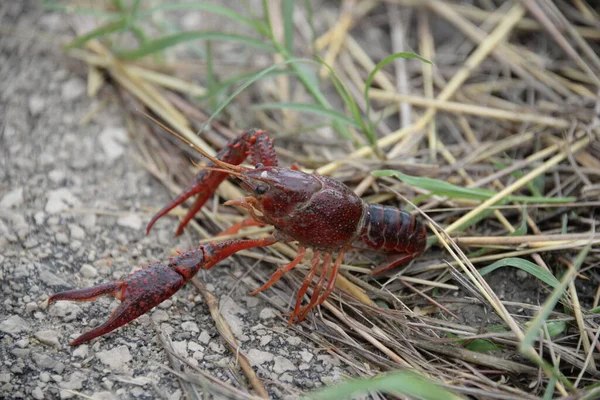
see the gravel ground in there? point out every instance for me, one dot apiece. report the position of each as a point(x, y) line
point(71, 201)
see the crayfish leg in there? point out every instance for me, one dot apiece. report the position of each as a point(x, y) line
point(314, 299)
point(304, 288)
point(333, 277)
point(284, 269)
point(235, 228)
point(401, 259)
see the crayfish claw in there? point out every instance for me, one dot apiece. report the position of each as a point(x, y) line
point(90, 294)
point(139, 292)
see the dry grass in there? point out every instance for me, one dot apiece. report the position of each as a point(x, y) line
point(510, 105)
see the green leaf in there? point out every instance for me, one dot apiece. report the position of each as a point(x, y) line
point(224, 11)
point(66, 8)
point(482, 345)
point(306, 107)
point(555, 328)
point(99, 32)
point(522, 229)
point(250, 81)
point(443, 188)
point(524, 265)
point(403, 382)
point(348, 100)
point(288, 25)
point(595, 310)
point(165, 42)
point(542, 315)
point(372, 74)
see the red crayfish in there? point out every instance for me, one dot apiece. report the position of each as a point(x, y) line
point(316, 211)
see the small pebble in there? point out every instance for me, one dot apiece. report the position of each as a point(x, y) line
point(81, 351)
point(204, 337)
point(116, 358)
point(282, 364)
point(258, 357)
point(190, 326)
point(14, 324)
point(76, 232)
point(62, 238)
point(12, 199)
point(265, 340)
point(48, 337)
point(88, 271)
point(267, 313)
point(73, 88)
point(132, 221)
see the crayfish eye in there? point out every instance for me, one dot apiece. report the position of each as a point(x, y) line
point(260, 189)
point(259, 165)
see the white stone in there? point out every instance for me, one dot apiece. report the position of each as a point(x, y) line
point(160, 316)
point(132, 221)
point(180, 347)
point(258, 357)
point(81, 351)
point(88, 271)
point(76, 232)
point(193, 347)
point(37, 393)
point(267, 313)
point(14, 324)
point(60, 200)
point(204, 337)
point(49, 337)
point(116, 358)
point(57, 175)
point(190, 326)
point(216, 347)
point(265, 340)
point(294, 340)
point(12, 199)
point(282, 364)
point(73, 88)
point(306, 355)
point(112, 140)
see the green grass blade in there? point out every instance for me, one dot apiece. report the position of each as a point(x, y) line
point(403, 382)
point(536, 324)
point(443, 188)
point(224, 11)
point(288, 25)
point(99, 32)
point(378, 67)
point(555, 328)
point(66, 8)
point(522, 229)
point(249, 82)
point(348, 100)
point(523, 265)
point(309, 108)
point(482, 346)
point(165, 42)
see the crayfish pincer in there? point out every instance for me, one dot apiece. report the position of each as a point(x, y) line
point(316, 211)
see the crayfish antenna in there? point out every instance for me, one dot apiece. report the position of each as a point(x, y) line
point(223, 164)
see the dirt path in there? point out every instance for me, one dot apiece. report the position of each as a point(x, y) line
point(71, 215)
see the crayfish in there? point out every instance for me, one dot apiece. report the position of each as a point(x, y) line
point(316, 211)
